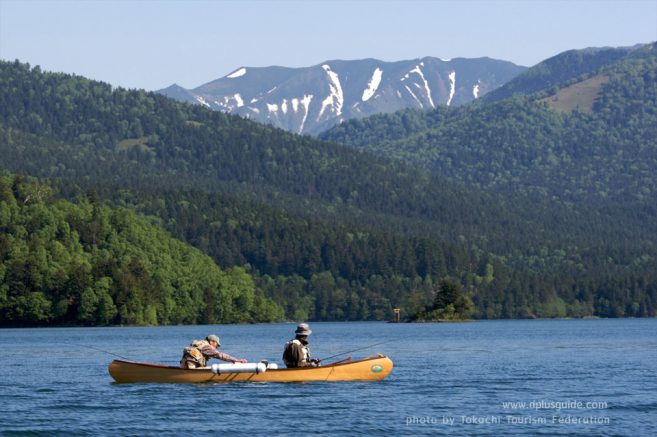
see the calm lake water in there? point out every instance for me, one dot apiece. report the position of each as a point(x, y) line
point(541, 377)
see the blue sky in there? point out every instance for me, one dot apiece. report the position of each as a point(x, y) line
point(151, 44)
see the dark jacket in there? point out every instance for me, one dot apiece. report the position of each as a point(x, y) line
point(297, 353)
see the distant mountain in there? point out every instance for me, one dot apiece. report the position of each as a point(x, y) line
point(312, 99)
point(179, 93)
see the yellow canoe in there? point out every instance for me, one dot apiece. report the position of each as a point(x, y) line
point(367, 369)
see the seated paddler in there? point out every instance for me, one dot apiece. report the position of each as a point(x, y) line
point(297, 350)
point(199, 352)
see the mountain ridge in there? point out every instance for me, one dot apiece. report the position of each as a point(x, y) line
point(308, 100)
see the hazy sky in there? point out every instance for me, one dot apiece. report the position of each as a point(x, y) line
point(152, 44)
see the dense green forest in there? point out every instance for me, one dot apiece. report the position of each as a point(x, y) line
point(85, 263)
point(324, 232)
point(603, 155)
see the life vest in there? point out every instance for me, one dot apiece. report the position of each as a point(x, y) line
point(193, 353)
point(289, 360)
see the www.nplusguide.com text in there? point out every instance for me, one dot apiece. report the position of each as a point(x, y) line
point(555, 405)
point(507, 420)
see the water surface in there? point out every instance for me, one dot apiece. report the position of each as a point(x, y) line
point(540, 377)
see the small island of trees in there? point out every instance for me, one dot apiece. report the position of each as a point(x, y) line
point(451, 304)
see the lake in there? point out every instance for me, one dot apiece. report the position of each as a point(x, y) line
point(522, 377)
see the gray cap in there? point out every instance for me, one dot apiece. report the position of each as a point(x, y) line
point(213, 337)
point(303, 329)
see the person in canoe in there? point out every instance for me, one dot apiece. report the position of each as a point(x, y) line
point(297, 351)
point(199, 352)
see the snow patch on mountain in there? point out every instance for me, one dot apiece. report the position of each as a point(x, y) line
point(238, 73)
point(452, 86)
point(475, 90)
point(373, 84)
point(229, 103)
point(202, 101)
point(306, 104)
point(335, 98)
point(272, 107)
point(419, 72)
point(411, 93)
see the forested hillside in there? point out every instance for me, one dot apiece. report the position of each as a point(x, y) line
point(326, 232)
point(559, 70)
point(85, 263)
point(603, 154)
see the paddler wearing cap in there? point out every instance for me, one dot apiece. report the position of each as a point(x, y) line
point(199, 352)
point(297, 351)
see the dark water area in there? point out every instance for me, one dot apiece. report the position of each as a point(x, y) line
point(539, 377)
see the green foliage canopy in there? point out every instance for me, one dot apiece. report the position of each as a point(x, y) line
point(86, 263)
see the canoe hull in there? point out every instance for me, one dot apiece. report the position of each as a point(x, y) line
point(367, 369)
